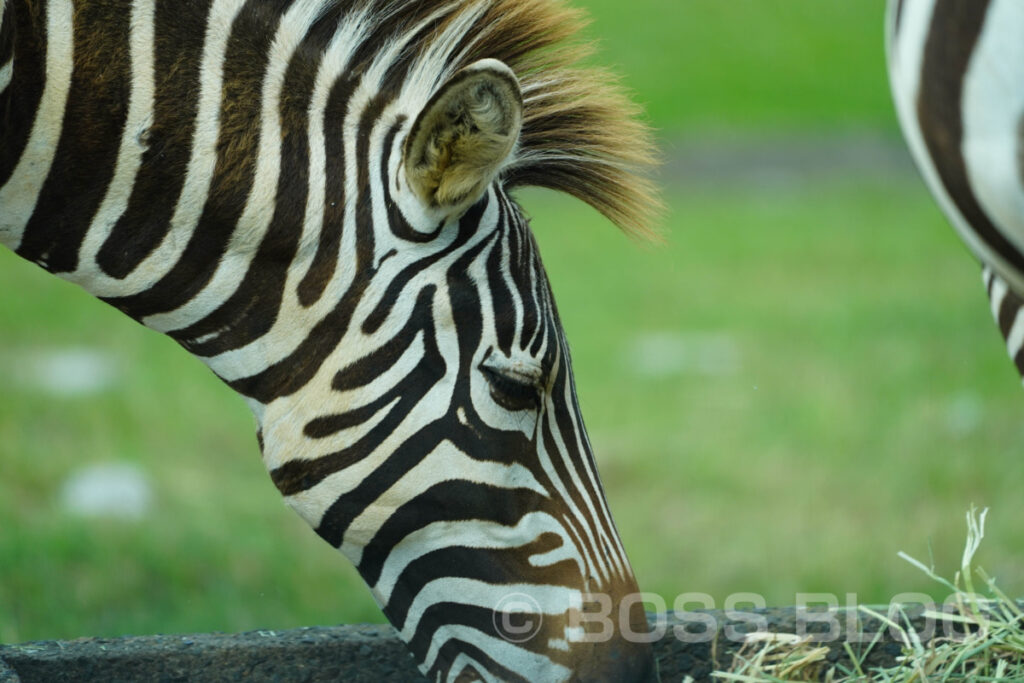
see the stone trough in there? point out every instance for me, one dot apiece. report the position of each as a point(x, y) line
point(689, 644)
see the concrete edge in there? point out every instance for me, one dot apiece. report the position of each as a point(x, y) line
point(687, 644)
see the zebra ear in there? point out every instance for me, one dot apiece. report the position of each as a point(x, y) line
point(463, 136)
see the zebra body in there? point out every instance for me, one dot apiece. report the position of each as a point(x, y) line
point(957, 75)
point(311, 196)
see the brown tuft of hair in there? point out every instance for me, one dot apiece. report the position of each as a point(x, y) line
point(581, 134)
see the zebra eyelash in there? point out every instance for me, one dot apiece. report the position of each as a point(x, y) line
point(512, 393)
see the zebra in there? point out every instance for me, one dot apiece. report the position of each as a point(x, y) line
point(313, 198)
point(957, 76)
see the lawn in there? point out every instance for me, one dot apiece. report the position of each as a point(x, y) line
point(801, 382)
point(707, 64)
point(834, 390)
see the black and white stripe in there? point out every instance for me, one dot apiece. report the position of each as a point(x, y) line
point(233, 173)
point(957, 75)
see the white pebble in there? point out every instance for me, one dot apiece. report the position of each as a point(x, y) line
point(113, 490)
point(663, 354)
point(67, 372)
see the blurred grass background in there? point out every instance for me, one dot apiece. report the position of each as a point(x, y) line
point(803, 381)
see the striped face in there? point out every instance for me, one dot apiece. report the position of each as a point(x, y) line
point(309, 197)
point(446, 455)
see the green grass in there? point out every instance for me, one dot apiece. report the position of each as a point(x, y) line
point(699, 64)
point(220, 550)
point(860, 322)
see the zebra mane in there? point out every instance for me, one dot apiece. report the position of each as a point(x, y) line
point(581, 134)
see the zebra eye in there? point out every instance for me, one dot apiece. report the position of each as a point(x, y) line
point(512, 391)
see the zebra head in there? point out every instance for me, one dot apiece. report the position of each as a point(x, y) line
point(312, 197)
point(437, 440)
point(445, 454)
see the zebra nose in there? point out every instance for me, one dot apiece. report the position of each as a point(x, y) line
point(620, 661)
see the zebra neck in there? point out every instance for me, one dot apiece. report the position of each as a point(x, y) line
point(118, 173)
point(213, 185)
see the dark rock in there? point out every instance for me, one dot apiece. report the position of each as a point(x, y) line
point(7, 674)
point(694, 644)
